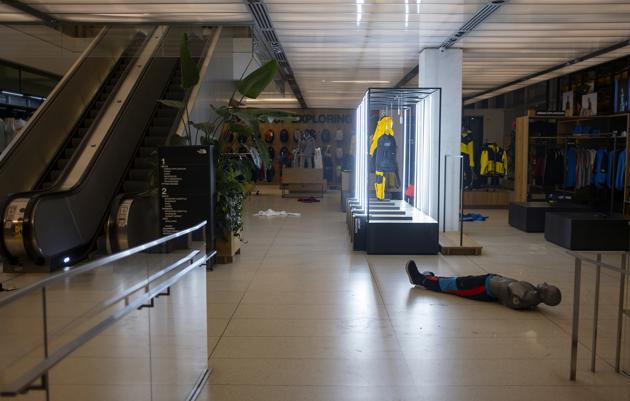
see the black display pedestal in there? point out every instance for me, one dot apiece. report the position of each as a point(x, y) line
point(587, 231)
point(530, 216)
point(402, 238)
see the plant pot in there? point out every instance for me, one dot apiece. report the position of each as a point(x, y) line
point(226, 249)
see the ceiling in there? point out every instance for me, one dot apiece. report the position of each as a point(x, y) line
point(120, 11)
point(338, 48)
point(375, 40)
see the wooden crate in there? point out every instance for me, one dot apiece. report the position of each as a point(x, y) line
point(303, 181)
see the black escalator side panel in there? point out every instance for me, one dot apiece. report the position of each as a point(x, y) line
point(70, 220)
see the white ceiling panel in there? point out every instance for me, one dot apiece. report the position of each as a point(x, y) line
point(376, 40)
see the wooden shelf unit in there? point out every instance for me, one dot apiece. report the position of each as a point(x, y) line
point(563, 131)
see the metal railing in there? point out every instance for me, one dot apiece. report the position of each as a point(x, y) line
point(80, 329)
point(623, 271)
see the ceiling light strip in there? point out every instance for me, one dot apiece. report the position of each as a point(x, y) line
point(266, 34)
point(597, 53)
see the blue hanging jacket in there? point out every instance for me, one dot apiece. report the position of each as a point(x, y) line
point(601, 167)
point(570, 177)
point(621, 171)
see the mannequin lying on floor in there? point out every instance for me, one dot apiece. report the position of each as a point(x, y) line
point(488, 287)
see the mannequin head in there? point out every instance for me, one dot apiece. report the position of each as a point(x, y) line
point(549, 294)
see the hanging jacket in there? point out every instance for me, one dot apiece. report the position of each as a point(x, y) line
point(467, 149)
point(493, 160)
point(600, 169)
point(384, 126)
point(385, 159)
point(570, 178)
point(621, 171)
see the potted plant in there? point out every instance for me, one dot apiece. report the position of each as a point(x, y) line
point(233, 174)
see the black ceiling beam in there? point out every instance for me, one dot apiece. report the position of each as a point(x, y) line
point(25, 8)
point(266, 35)
point(473, 22)
point(549, 70)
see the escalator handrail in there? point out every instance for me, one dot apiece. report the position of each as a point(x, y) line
point(52, 97)
point(29, 240)
point(206, 53)
point(37, 194)
point(97, 118)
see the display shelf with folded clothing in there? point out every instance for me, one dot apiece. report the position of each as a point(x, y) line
point(395, 204)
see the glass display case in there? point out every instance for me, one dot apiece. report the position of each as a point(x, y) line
point(396, 206)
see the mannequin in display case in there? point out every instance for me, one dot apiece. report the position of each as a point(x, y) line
point(512, 293)
point(383, 149)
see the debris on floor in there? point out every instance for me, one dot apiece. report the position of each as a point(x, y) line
point(276, 213)
point(474, 217)
point(310, 199)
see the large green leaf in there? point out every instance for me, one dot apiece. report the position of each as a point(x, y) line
point(221, 111)
point(174, 104)
point(262, 147)
point(190, 71)
point(238, 128)
point(205, 127)
point(252, 85)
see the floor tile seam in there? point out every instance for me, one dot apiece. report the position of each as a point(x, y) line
point(371, 358)
point(229, 320)
point(401, 386)
point(389, 320)
point(581, 342)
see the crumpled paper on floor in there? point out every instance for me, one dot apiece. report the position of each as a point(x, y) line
point(276, 213)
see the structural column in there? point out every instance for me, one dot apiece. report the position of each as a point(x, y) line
point(443, 69)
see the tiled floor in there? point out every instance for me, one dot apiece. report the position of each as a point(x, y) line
point(299, 316)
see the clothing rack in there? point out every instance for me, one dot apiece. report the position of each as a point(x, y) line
point(568, 140)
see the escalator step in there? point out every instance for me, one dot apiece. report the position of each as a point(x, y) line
point(159, 131)
point(93, 113)
point(54, 174)
point(148, 151)
point(135, 186)
point(154, 140)
point(99, 105)
point(162, 121)
point(144, 162)
point(139, 174)
point(62, 163)
point(81, 132)
point(166, 112)
point(46, 185)
point(69, 152)
point(88, 122)
point(76, 142)
point(175, 94)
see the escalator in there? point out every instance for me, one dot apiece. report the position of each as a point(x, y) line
point(41, 152)
point(62, 226)
point(28, 157)
point(85, 123)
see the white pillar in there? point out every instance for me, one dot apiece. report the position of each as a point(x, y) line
point(443, 69)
